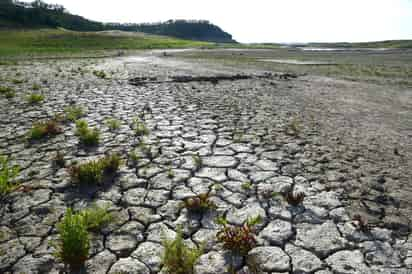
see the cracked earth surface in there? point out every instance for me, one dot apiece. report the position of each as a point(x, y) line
point(238, 127)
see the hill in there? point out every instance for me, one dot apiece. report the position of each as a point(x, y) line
point(199, 30)
point(14, 14)
point(40, 15)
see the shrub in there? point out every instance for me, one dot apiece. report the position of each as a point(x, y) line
point(96, 217)
point(87, 136)
point(44, 129)
point(239, 239)
point(73, 244)
point(74, 113)
point(7, 175)
point(93, 172)
point(178, 258)
point(35, 98)
point(113, 124)
point(199, 203)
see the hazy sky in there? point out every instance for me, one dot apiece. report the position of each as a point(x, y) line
point(266, 20)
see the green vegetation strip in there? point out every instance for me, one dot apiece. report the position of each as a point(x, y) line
point(58, 41)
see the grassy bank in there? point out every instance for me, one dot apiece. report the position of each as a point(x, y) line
point(42, 42)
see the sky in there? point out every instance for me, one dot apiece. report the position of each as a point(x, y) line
point(266, 20)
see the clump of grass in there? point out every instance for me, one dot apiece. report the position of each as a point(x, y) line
point(74, 113)
point(35, 87)
point(140, 128)
point(87, 136)
point(100, 74)
point(197, 161)
point(238, 239)
point(73, 244)
point(111, 163)
point(247, 186)
point(113, 124)
point(44, 129)
point(4, 90)
point(96, 217)
point(293, 198)
point(170, 173)
point(7, 175)
point(93, 172)
point(35, 98)
point(199, 203)
point(17, 81)
point(10, 94)
point(134, 156)
point(294, 127)
point(178, 258)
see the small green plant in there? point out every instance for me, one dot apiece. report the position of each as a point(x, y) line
point(7, 176)
point(239, 239)
point(4, 90)
point(100, 74)
point(247, 186)
point(170, 173)
point(294, 199)
point(44, 129)
point(96, 217)
point(140, 128)
point(10, 94)
point(199, 203)
point(113, 124)
point(17, 81)
point(111, 163)
point(134, 156)
point(197, 161)
point(294, 127)
point(178, 258)
point(88, 173)
point(93, 172)
point(87, 136)
point(35, 87)
point(35, 98)
point(74, 113)
point(73, 244)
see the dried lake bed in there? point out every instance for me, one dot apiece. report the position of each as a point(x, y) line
point(236, 131)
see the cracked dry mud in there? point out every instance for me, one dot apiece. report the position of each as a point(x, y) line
point(239, 128)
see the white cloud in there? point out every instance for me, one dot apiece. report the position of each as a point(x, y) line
point(265, 20)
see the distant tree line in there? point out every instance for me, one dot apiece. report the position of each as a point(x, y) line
point(37, 14)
